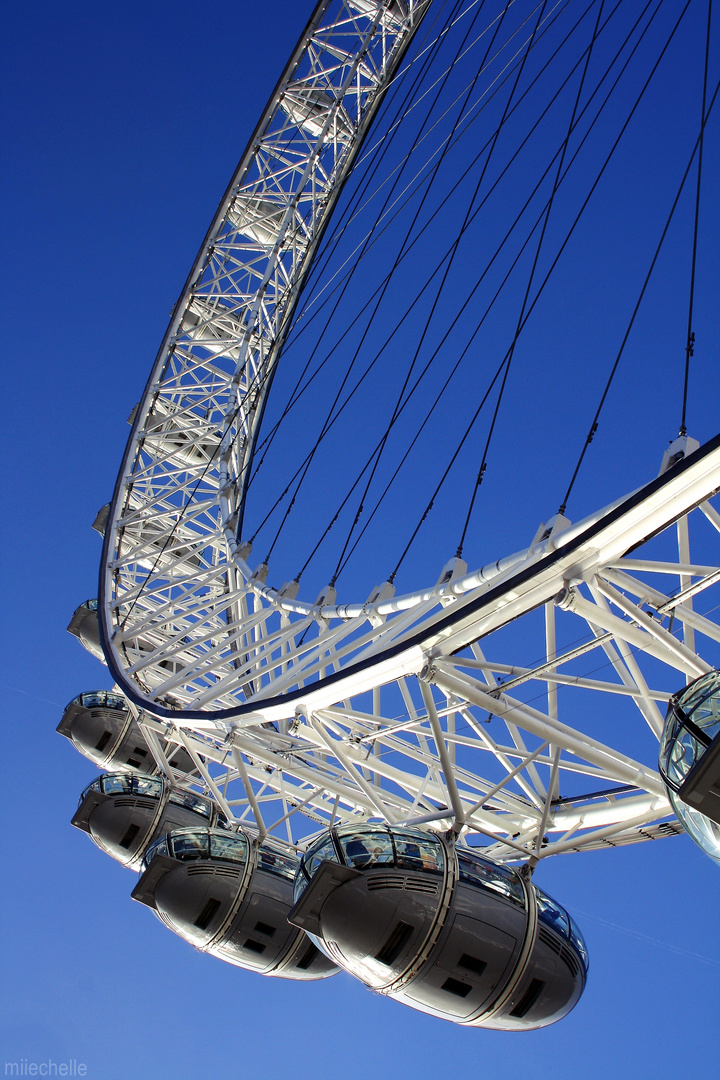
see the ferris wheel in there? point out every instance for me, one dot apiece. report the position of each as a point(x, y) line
point(505, 709)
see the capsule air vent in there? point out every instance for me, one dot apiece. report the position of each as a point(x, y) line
point(214, 871)
point(103, 740)
point(384, 881)
point(396, 881)
point(140, 804)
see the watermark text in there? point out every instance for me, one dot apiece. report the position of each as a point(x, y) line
point(24, 1067)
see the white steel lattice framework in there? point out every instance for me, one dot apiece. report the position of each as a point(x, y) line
point(410, 709)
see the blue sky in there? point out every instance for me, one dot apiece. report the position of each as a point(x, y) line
point(122, 125)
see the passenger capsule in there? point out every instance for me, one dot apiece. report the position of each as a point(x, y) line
point(100, 725)
point(85, 626)
point(229, 895)
point(125, 813)
point(440, 928)
point(690, 760)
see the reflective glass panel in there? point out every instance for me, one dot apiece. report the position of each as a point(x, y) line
point(364, 848)
point(274, 860)
point(116, 783)
point(188, 845)
point(145, 785)
point(114, 701)
point(97, 785)
point(92, 700)
point(550, 912)
point(418, 852)
point(192, 802)
point(476, 870)
point(160, 847)
point(703, 831)
point(231, 847)
point(320, 852)
point(699, 703)
point(684, 753)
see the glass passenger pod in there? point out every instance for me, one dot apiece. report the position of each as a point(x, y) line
point(690, 760)
point(441, 929)
point(229, 895)
point(124, 813)
point(100, 725)
point(85, 626)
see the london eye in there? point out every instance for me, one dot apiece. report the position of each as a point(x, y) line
point(414, 754)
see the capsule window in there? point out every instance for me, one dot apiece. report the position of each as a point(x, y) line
point(129, 836)
point(528, 999)
point(395, 944)
point(188, 845)
point(488, 875)
point(192, 802)
point(314, 858)
point(454, 986)
point(416, 852)
point(550, 912)
point(203, 920)
point(364, 848)
point(274, 860)
point(230, 847)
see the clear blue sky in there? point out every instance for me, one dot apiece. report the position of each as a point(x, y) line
point(121, 127)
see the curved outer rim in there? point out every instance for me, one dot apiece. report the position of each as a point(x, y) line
point(413, 19)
